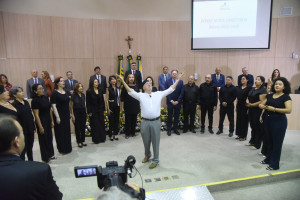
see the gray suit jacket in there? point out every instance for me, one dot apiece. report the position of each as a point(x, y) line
point(29, 85)
point(68, 86)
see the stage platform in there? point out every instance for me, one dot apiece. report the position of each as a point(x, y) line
point(185, 160)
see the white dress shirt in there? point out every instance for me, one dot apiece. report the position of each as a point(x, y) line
point(150, 103)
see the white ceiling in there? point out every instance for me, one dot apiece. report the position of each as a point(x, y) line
point(164, 10)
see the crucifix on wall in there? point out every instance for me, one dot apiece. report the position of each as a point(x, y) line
point(129, 39)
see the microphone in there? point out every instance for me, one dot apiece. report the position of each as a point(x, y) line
point(150, 95)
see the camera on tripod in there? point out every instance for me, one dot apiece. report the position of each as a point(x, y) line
point(112, 175)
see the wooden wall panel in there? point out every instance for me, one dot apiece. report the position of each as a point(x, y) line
point(177, 39)
point(27, 36)
point(2, 38)
point(20, 69)
point(147, 38)
point(290, 69)
point(288, 37)
point(263, 67)
point(72, 38)
point(82, 69)
point(109, 38)
point(236, 61)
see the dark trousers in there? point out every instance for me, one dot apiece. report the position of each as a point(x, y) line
point(210, 111)
point(189, 109)
point(229, 110)
point(242, 121)
point(173, 111)
point(46, 142)
point(98, 127)
point(29, 139)
point(256, 126)
point(275, 127)
point(130, 124)
point(80, 121)
point(114, 121)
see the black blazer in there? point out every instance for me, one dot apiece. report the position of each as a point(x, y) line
point(138, 77)
point(94, 102)
point(103, 84)
point(25, 180)
point(68, 86)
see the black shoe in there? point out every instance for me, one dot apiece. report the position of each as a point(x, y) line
point(230, 134)
point(176, 131)
point(184, 131)
point(219, 132)
point(202, 130)
point(193, 131)
point(169, 133)
point(210, 131)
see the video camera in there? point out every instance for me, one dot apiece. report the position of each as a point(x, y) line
point(112, 175)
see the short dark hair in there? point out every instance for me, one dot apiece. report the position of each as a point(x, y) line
point(246, 77)
point(229, 77)
point(68, 72)
point(262, 80)
point(97, 67)
point(14, 90)
point(286, 83)
point(2, 89)
point(174, 70)
point(133, 63)
point(8, 132)
point(34, 88)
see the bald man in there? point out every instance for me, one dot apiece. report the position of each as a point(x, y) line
point(190, 103)
point(218, 78)
point(208, 94)
point(34, 80)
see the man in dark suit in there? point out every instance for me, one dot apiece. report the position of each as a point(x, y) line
point(190, 104)
point(174, 102)
point(250, 76)
point(218, 78)
point(163, 78)
point(101, 79)
point(34, 80)
point(70, 82)
point(208, 94)
point(21, 179)
point(137, 75)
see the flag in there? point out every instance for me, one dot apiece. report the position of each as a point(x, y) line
point(120, 68)
point(139, 65)
point(129, 59)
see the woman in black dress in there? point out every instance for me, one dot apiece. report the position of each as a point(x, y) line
point(131, 107)
point(25, 118)
point(95, 108)
point(275, 122)
point(78, 113)
point(5, 106)
point(255, 97)
point(41, 108)
point(60, 101)
point(113, 107)
point(241, 109)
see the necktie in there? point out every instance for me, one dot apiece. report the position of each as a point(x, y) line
point(133, 72)
point(165, 77)
point(173, 81)
point(218, 77)
point(34, 82)
point(99, 78)
point(71, 84)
